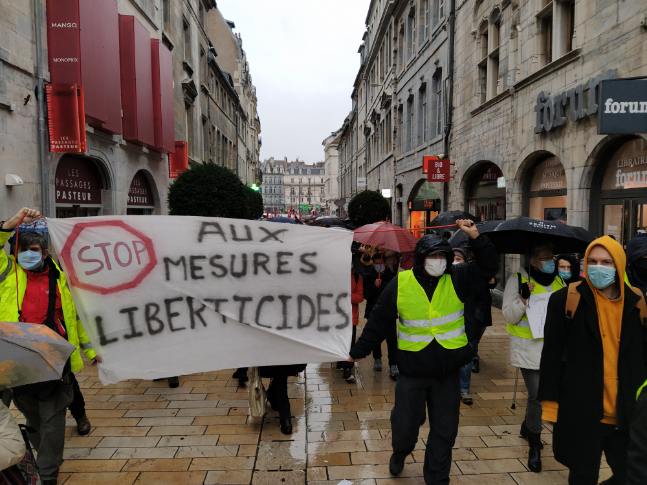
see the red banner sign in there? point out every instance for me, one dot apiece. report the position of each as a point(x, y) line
point(436, 168)
point(64, 41)
point(66, 118)
point(178, 161)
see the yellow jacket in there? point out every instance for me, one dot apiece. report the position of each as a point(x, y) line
point(76, 333)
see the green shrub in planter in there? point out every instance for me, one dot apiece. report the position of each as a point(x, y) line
point(368, 207)
point(208, 190)
point(254, 203)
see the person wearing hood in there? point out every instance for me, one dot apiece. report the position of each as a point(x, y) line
point(593, 362)
point(525, 350)
point(34, 290)
point(478, 316)
point(568, 266)
point(637, 262)
point(427, 303)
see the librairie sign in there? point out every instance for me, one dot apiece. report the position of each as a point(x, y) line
point(163, 295)
point(623, 106)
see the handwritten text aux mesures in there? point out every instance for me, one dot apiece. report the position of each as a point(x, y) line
point(232, 288)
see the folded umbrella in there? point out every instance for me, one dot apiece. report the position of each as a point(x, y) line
point(517, 236)
point(387, 236)
point(31, 353)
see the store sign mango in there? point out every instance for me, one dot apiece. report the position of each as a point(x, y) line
point(574, 104)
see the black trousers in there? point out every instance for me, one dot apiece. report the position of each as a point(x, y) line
point(440, 398)
point(277, 394)
point(391, 348)
point(77, 407)
point(350, 365)
point(614, 446)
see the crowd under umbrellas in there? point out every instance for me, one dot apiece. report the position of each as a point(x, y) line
point(382, 249)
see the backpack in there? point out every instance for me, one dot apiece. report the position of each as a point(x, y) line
point(573, 300)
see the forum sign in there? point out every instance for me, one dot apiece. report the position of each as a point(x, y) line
point(623, 106)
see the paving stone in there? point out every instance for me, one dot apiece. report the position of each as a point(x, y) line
point(176, 430)
point(233, 477)
point(295, 477)
point(171, 478)
point(158, 465)
point(92, 465)
point(222, 463)
point(207, 451)
point(129, 453)
point(109, 478)
point(186, 440)
point(281, 456)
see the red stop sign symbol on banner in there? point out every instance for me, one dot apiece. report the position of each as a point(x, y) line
point(107, 256)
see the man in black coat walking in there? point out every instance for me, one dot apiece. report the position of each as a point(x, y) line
point(592, 364)
point(432, 346)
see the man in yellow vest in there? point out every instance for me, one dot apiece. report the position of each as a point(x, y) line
point(427, 305)
point(33, 289)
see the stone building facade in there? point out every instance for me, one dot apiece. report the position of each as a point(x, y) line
point(273, 172)
point(516, 114)
point(399, 107)
point(331, 204)
point(525, 138)
point(117, 174)
point(303, 187)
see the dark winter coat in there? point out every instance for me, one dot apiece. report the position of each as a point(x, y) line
point(637, 454)
point(433, 360)
point(571, 374)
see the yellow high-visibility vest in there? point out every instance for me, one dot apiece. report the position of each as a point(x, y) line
point(421, 321)
point(521, 329)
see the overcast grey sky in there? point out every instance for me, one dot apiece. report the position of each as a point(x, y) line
point(303, 59)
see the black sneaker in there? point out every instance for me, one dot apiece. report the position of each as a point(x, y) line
point(174, 382)
point(476, 365)
point(348, 375)
point(83, 426)
point(396, 464)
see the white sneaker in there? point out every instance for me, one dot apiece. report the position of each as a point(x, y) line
point(377, 365)
point(466, 397)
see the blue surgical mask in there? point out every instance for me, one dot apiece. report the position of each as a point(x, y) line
point(548, 267)
point(30, 260)
point(565, 275)
point(601, 276)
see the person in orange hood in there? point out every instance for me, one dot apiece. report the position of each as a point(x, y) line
point(591, 365)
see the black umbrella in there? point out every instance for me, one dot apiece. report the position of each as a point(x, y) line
point(329, 221)
point(450, 217)
point(519, 235)
point(460, 238)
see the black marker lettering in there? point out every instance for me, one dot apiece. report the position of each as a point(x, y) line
point(193, 313)
point(181, 261)
point(260, 261)
point(103, 340)
point(272, 234)
point(243, 266)
point(234, 235)
point(300, 322)
point(196, 268)
point(241, 312)
point(284, 311)
point(131, 321)
point(219, 271)
point(280, 263)
point(308, 266)
point(259, 308)
point(340, 311)
point(321, 311)
point(170, 314)
point(151, 310)
point(207, 228)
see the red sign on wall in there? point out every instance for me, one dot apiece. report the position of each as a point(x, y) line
point(178, 161)
point(436, 168)
point(64, 41)
point(66, 118)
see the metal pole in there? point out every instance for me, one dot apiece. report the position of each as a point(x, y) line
point(41, 109)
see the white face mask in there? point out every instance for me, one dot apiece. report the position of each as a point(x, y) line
point(435, 267)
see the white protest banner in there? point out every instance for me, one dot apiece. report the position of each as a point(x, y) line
point(163, 296)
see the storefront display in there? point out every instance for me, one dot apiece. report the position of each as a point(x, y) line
point(485, 199)
point(623, 191)
point(424, 206)
point(78, 186)
point(547, 191)
point(140, 196)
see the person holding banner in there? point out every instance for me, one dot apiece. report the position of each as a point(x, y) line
point(523, 293)
point(33, 289)
point(428, 304)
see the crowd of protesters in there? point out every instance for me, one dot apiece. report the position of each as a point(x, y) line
point(586, 374)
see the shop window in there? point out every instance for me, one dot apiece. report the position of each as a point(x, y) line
point(411, 34)
point(484, 199)
point(545, 25)
point(424, 205)
point(437, 105)
point(410, 123)
point(422, 114)
point(166, 14)
point(547, 191)
point(400, 48)
point(424, 21)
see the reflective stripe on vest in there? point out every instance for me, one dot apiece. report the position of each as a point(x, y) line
point(521, 329)
point(422, 321)
point(640, 390)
